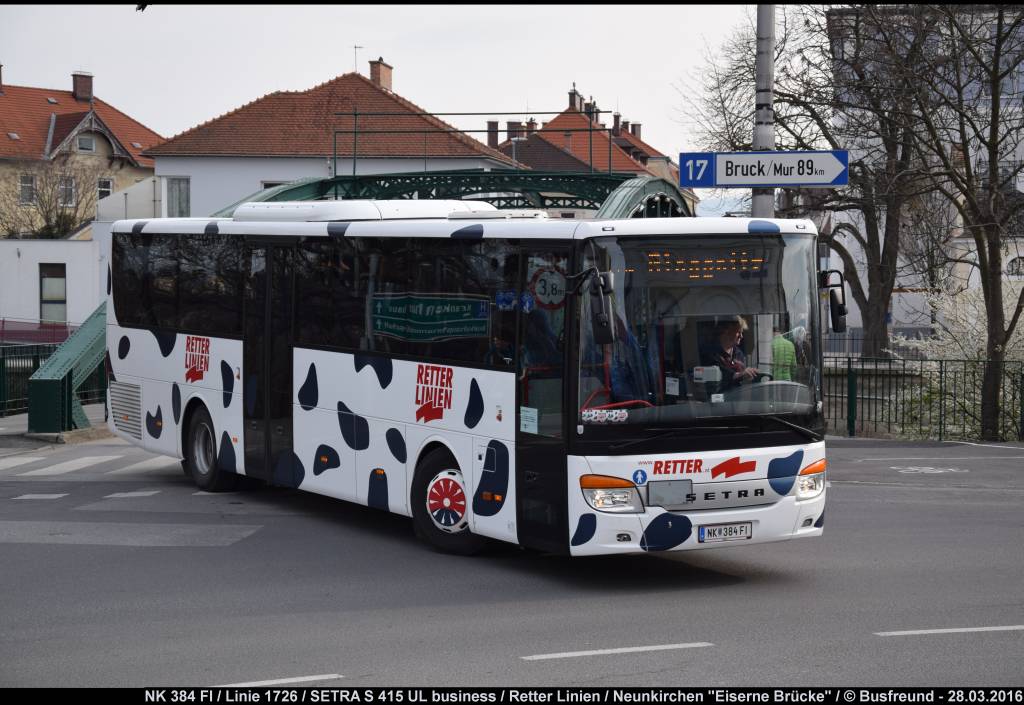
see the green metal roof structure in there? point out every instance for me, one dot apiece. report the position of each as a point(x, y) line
point(615, 195)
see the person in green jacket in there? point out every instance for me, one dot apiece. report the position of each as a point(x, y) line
point(783, 356)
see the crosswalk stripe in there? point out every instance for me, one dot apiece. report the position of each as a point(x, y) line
point(70, 465)
point(149, 465)
point(17, 460)
point(41, 496)
point(140, 493)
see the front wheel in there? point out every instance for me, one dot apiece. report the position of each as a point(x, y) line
point(201, 455)
point(440, 506)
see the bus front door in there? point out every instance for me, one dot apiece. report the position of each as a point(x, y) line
point(267, 361)
point(540, 419)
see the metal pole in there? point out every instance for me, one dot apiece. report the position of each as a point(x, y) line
point(355, 138)
point(851, 398)
point(763, 202)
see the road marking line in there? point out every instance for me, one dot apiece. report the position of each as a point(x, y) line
point(41, 496)
point(1014, 628)
point(85, 533)
point(948, 459)
point(71, 465)
point(140, 493)
point(17, 460)
point(986, 445)
point(150, 464)
point(626, 650)
point(283, 681)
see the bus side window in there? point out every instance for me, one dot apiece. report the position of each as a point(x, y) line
point(542, 320)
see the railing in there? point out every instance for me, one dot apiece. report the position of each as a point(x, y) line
point(918, 399)
point(22, 331)
point(19, 362)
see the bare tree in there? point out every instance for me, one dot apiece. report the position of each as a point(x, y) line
point(968, 92)
point(833, 90)
point(60, 200)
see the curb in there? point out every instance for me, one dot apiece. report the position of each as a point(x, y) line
point(80, 436)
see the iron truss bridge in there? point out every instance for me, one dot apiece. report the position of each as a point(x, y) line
point(615, 195)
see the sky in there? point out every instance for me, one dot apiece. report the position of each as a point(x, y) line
point(172, 67)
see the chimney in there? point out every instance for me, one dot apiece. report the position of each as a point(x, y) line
point(588, 110)
point(531, 127)
point(625, 126)
point(380, 73)
point(492, 133)
point(575, 99)
point(616, 126)
point(81, 85)
point(635, 130)
point(515, 129)
point(595, 112)
point(1, 79)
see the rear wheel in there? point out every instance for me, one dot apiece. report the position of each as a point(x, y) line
point(440, 506)
point(201, 455)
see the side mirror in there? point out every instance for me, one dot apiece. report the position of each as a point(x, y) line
point(837, 311)
point(600, 309)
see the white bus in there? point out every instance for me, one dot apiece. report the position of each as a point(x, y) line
point(581, 387)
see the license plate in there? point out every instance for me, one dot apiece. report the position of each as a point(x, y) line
point(669, 493)
point(725, 532)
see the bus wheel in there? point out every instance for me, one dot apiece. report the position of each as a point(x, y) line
point(201, 455)
point(440, 506)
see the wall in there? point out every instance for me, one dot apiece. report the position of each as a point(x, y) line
point(141, 200)
point(217, 182)
point(19, 276)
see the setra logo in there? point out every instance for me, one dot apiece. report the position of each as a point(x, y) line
point(433, 392)
point(197, 358)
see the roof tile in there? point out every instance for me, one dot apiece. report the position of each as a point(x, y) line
point(26, 111)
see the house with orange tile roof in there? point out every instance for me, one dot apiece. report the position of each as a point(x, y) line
point(319, 132)
point(576, 140)
point(60, 152)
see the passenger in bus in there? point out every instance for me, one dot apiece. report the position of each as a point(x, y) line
point(726, 353)
point(783, 355)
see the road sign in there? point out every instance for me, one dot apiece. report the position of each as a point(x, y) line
point(763, 169)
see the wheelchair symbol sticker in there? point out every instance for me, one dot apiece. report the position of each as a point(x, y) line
point(639, 477)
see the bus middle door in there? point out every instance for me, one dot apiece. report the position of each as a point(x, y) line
point(267, 363)
point(540, 399)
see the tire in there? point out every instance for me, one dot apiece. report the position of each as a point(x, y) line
point(201, 455)
point(447, 528)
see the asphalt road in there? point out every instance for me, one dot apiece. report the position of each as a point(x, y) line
point(118, 574)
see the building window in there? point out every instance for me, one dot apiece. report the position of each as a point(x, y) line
point(86, 143)
point(27, 190)
point(1016, 267)
point(106, 187)
point(66, 188)
point(53, 303)
point(178, 197)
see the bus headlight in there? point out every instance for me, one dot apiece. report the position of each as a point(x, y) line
point(611, 494)
point(811, 481)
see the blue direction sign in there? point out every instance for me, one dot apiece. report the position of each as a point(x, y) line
point(763, 169)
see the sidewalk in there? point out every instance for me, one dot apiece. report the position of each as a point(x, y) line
point(13, 429)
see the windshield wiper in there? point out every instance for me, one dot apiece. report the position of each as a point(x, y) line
point(669, 431)
point(808, 433)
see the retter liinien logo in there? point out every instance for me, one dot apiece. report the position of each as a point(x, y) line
point(197, 358)
point(433, 392)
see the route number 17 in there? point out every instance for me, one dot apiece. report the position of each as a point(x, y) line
point(700, 165)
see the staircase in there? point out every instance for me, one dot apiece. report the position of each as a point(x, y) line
point(53, 404)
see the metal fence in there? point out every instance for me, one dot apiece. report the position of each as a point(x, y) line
point(18, 362)
point(918, 399)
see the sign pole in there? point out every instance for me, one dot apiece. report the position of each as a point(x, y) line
point(763, 199)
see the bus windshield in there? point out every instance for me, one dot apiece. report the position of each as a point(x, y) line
point(704, 326)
